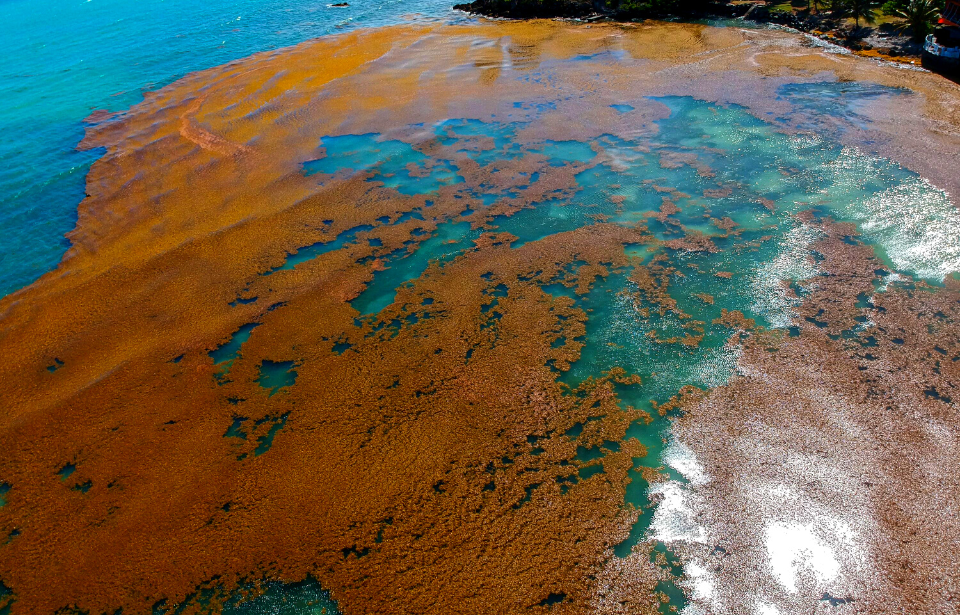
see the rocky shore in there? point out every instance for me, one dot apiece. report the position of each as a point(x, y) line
point(882, 41)
point(597, 10)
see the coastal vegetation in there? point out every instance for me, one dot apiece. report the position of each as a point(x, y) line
point(899, 26)
point(918, 16)
point(916, 12)
point(617, 9)
point(860, 10)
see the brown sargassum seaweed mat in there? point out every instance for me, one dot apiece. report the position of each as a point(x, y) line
point(377, 483)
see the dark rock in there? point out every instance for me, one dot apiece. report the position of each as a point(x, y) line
point(526, 9)
point(598, 9)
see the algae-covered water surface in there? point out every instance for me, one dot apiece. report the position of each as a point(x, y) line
point(498, 317)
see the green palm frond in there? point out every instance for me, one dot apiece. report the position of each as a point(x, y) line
point(918, 16)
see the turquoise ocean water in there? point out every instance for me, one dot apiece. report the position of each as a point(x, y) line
point(66, 58)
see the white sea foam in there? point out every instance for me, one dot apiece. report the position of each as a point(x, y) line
point(793, 547)
point(701, 582)
point(679, 457)
point(827, 46)
point(801, 532)
point(716, 365)
point(674, 519)
point(914, 222)
point(887, 281)
point(815, 537)
point(765, 608)
point(792, 263)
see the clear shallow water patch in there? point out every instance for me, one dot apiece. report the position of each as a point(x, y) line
point(909, 221)
point(273, 426)
point(563, 152)
point(836, 100)
point(7, 598)
point(319, 248)
point(699, 148)
point(450, 239)
point(625, 331)
point(277, 375)
point(236, 428)
point(394, 163)
point(224, 355)
point(914, 224)
point(67, 471)
point(348, 237)
point(306, 597)
point(498, 139)
point(303, 598)
point(359, 153)
point(773, 298)
point(255, 436)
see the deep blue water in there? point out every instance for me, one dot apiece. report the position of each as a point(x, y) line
point(66, 58)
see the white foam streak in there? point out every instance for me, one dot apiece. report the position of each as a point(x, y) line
point(679, 457)
point(793, 547)
point(914, 222)
point(792, 263)
point(674, 519)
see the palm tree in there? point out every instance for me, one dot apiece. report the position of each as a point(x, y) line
point(838, 8)
point(919, 14)
point(861, 9)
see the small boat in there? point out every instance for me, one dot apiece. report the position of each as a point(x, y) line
point(941, 49)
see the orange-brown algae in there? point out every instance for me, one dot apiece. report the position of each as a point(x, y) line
point(201, 193)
